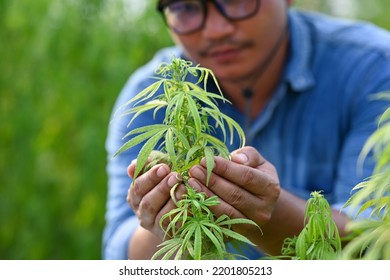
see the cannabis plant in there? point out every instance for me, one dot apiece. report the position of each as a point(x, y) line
point(371, 235)
point(319, 238)
point(183, 139)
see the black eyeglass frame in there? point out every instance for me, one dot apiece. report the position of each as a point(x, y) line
point(163, 4)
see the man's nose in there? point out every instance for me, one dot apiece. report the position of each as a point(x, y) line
point(216, 25)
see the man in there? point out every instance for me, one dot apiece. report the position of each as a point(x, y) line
point(301, 84)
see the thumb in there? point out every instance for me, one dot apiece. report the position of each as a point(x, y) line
point(247, 156)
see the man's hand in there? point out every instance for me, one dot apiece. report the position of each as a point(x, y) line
point(248, 187)
point(149, 195)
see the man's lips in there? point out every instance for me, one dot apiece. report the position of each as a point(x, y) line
point(223, 55)
point(225, 52)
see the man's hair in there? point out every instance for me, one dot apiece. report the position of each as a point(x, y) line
point(161, 1)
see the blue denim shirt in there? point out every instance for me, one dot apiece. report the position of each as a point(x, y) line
point(312, 129)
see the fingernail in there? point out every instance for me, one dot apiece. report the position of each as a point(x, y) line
point(161, 172)
point(173, 180)
point(195, 185)
point(197, 173)
point(240, 158)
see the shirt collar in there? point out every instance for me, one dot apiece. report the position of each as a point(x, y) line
point(298, 71)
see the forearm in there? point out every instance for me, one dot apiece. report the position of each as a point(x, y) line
point(143, 244)
point(288, 221)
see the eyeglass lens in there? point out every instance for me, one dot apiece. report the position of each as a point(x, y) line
point(189, 15)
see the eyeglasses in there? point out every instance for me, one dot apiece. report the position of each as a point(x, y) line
point(188, 16)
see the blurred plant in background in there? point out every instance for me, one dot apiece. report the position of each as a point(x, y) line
point(63, 63)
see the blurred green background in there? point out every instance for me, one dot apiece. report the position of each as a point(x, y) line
point(62, 64)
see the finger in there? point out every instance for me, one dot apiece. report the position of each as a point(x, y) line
point(146, 182)
point(154, 158)
point(155, 200)
point(233, 196)
point(254, 180)
point(180, 190)
point(248, 156)
point(131, 168)
point(235, 202)
point(223, 208)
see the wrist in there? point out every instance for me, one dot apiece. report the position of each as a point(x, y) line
point(142, 245)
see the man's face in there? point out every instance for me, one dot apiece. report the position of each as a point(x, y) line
point(233, 49)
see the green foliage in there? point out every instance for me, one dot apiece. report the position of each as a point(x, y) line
point(201, 235)
point(186, 139)
point(62, 65)
point(371, 236)
point(319, 238)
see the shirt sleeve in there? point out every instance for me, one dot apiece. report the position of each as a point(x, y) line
point(121, 221)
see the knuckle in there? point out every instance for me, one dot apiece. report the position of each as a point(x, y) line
point(145, 216)
point(273, 191)
point(180, 192)
point(132, 199)
point(250, 151)
point(145, 223)
point(129, 200)
point(146, 206)
point(212, 182)
point(272, 170)
point(276, 191)
point(223, 166)
point(230, 212)
point(236, 197)
point(267, 217)
point(247, 176)
point(136, 187)
point(263, 217)
point(161, 190)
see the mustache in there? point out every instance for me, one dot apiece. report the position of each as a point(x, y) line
point(227, 43)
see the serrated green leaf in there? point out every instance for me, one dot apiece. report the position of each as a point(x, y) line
point(217, 144)
point(237, 221)
point(167, 247)
point(218, 120)
point(140, 138)
point(154, 127)
point(191, 152)
point(233, 125)
point(138, 110)
point(210, 163)
point(146, 93)
point(145, 151)
point(170, 146)
point(205, 98)
point(198, 243)
point(237, 236)
point(219, 246)
point(188, 235)
point(194, 115)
